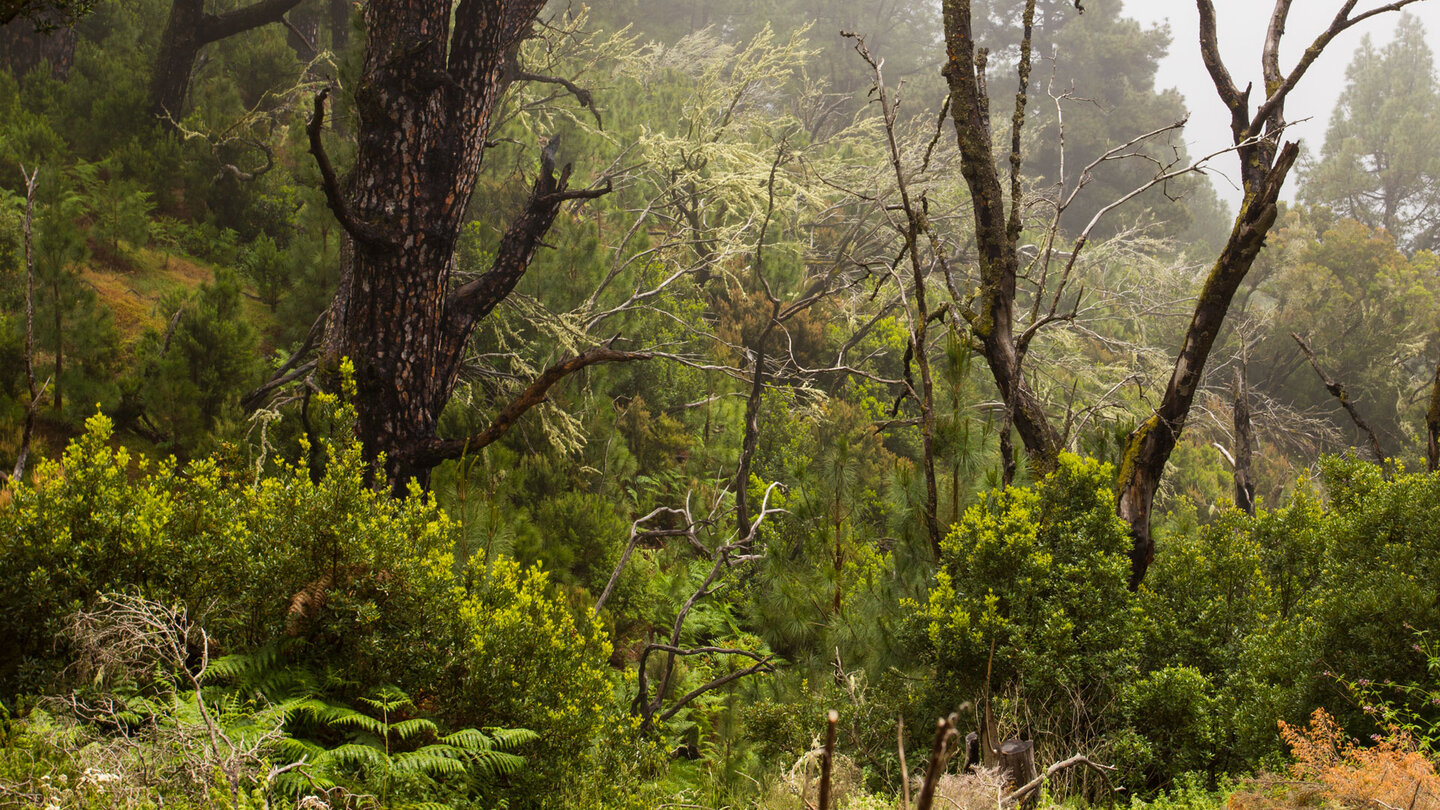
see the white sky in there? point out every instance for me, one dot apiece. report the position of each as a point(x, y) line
point(1242, 33)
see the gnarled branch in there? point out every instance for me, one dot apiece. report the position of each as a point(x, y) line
point(437, 450)
point(363, 232)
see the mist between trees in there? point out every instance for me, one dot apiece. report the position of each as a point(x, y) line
point(510, 403)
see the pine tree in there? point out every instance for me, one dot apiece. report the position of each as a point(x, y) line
point(1381, 159)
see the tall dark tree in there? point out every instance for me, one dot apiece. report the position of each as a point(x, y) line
point(425, 102)
point(189, 29)
point(1264, 166)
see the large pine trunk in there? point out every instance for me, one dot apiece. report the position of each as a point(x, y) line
point(180, 45)
point(425, 101)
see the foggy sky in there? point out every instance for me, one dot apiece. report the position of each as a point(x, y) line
point(1242, 33)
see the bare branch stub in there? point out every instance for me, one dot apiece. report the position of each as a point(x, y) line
point(828, 758)
point(938, 757)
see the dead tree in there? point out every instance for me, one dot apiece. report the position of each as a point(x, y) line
point(1343, 397)
point(1244, 444)
point(1432, 425)
point(28, 229)
point(1264, 165)
point(911, 228)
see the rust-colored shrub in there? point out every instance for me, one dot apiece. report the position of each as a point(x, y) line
point(1332, 769)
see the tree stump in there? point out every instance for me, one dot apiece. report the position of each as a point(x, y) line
point(1017, 764)
point(972, 750)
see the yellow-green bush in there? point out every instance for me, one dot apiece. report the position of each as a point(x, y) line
point(362, 589)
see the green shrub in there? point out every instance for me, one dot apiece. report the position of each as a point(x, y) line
point(1038, 575)
point(363, 589)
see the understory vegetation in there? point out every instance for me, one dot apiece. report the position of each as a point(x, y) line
point(736, 455)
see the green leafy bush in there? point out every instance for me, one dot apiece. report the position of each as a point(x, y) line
point(1038, 576)
point(362, 588)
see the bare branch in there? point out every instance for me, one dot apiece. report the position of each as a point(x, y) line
point(362, 232)
point(436, 450)
point(1078, 759)
point(1338, 391)
point(636, 535)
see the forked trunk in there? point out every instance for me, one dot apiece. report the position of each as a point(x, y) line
point(424, 103)
point(187, 31)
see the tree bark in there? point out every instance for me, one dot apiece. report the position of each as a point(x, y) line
point(188, 30)
point(424, 101)
point(1149, 446)
point(1432, 425)
point(1244, 445)
point(992, 318)
point(1017, 765)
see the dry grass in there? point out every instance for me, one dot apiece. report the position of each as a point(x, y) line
point(132, 296)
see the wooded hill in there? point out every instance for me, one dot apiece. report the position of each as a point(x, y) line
point(515, 404)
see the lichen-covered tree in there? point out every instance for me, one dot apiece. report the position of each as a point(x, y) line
point(432, 77)
point(1005, 334)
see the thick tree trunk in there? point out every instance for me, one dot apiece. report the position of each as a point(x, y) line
point(1149, 445)
point(997, 235)
point(22, 48)
point(180, 45)
point(424, 114)
point(187, 31)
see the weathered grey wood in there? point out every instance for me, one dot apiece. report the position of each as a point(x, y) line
point(1017, 763)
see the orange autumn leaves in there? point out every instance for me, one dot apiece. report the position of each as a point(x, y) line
point(1330, 769)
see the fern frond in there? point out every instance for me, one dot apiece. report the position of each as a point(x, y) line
point(346, 717)
point(509, 738)
point(496, 763)
point(468, 739)
point(292, 783)
point(429, 764)
point(354, 755)
point(293, 750)
point(409, 728)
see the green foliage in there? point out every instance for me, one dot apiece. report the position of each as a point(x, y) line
point(192, 373)
point(1381, 160)
point(1038, 575)
point(1171, 727)
point(363, 586)
point(1411, 707)
point(390, 753)
point(1260, 607)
